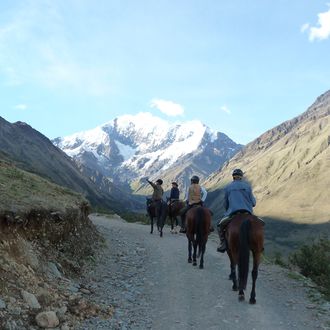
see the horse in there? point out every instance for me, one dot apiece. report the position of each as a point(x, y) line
point(174, 208)
point(198, 220)
point(151, 210)
point(245, 232)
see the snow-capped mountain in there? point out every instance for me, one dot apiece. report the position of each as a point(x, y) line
point(131, 147)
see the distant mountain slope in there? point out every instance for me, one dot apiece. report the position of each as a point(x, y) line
point(130, 148)
point(33, 152)
point(22, 191)
point(288, 166)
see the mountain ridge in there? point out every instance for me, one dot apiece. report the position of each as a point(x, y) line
point(131, 147)
point(31, 151)
point(288, 167)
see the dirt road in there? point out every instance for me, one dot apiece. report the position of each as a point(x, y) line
point(151, 285)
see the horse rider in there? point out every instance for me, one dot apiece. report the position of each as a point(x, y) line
point(238, 199)
point(175, 193)
point(195, 196)
point(157, 196)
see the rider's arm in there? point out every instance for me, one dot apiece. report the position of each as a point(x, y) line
point(151, 183)
point(253, 199)
point(226, 200)
point(203, 194)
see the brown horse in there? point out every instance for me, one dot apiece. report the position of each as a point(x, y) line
point(151, 210)
point(174, 209)
point(245, 232)
point(198, 220)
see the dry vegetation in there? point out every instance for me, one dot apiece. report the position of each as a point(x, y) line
point(45, 239)
point(21, 190)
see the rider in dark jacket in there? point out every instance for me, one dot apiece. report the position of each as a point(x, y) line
point(175, 192)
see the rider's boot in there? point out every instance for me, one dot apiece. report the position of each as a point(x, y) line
point(183, 224)
point(223, 244)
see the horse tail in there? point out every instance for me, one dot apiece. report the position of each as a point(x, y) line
point(163, 213)
point(244, 252)
point(200, 228)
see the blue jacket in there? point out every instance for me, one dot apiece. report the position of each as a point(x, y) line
point(175, 193)
point(239, 196)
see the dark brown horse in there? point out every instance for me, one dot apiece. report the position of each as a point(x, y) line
point(151, 210)
point(174, 208)
point(198, 220)
point(244, 233)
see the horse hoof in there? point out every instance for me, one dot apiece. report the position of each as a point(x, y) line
point(241, 297)
point(151, 232)
point(235, 288)
point(201, 267)
point(190, 260)
point(252, 301)
point(161, 234)
point(194, 263)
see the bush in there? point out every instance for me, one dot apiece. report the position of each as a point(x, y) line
point(314, 262)
point(278, 259)
point(135, 217)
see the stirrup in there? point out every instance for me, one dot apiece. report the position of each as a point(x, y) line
point(222, 248)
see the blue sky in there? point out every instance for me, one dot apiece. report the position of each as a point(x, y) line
point(241, 67)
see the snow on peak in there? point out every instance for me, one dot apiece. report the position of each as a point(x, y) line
point(86, 141)
point(140, 138)
point(143, 124)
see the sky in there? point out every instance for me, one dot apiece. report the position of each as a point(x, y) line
point(240, 66)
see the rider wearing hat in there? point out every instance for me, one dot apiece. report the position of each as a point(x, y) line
point(157, 196)
point(196, 195)
point(238, 199)
point(175, 193)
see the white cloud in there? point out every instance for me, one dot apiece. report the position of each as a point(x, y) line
point(21, 106)
point(168, 107)
point(304, 27)
point(54, 60)
point(322, 30)
point(225, 109)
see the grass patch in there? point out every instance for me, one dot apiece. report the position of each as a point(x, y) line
point(278, 259)
point(313, 262)
point(135, 217)
point(295, 276)
point(21, 190)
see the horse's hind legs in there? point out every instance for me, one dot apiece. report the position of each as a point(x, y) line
point(234, 279)
point(201, 263)
point(194, 255)
point(241, 296)
point(253, 291)
point(189, 251)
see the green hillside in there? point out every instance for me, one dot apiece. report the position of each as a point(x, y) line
point(21, 191)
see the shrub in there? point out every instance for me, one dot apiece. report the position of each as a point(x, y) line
point(314, 262)
point(278, 259)
point(135, 217)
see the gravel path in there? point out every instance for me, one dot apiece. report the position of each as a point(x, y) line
point(151, 286)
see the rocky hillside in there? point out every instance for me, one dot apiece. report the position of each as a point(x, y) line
point(288, 167)
point(30, 150)
point(45, 239)
point(130, 148)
